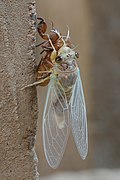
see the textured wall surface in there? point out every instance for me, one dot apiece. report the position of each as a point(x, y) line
point(18, 109)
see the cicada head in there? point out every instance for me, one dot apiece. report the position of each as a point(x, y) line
point(66, 53)
point(66, 59)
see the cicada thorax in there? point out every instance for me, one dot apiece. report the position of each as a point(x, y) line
point(67, 81)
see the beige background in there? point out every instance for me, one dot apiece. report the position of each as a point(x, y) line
point(95, 26)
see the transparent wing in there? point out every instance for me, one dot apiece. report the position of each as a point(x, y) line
point(79, 118)
point(55, 124)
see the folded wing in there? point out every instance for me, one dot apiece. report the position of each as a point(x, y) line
point(79, 118)
point(55, 124)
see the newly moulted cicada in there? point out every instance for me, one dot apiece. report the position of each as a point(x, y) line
point(65, 105)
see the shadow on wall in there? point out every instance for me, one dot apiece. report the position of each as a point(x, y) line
point(95, 27)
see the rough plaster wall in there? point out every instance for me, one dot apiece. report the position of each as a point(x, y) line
point(18, 109)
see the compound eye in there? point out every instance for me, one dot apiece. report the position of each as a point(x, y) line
point(58, 59)
point(76, 55)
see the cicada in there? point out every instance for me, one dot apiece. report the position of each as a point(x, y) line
point(65, 107)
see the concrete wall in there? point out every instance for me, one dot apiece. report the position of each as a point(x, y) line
point(18, 109)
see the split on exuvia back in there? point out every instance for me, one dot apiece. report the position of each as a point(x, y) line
point(65, 105)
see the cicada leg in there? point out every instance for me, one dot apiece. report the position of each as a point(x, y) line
point(35, 83)
point(40, 72)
